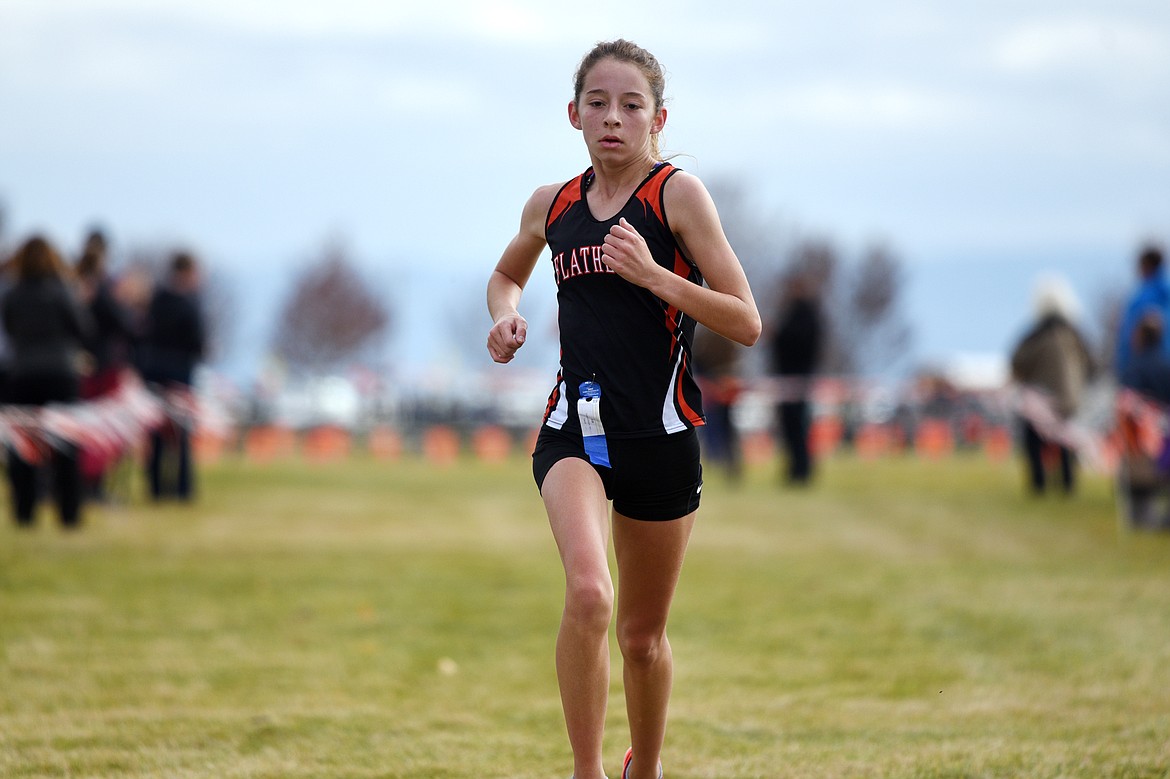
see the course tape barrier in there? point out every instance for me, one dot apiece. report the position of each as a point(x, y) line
point(122, 418)
point(113, 422)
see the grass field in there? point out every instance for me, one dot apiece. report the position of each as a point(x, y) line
point(902, 619)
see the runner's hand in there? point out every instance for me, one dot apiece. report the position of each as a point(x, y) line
point(506, 337)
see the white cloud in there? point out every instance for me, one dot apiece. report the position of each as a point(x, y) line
point(506, 22)
point(877, 106)
point(1083, 43)
point(423, 93)
point(308, 18)
point(300, 17)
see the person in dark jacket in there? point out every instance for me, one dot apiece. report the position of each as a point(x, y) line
point(46, 328)
point(796, 351)
point(114, 330)
point(110, 346)
point(172, 346)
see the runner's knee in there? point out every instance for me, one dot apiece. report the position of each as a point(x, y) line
point(640, 644)
point(589, 603)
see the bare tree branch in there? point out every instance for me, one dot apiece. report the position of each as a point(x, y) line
point(329, 317)
point(862, 301)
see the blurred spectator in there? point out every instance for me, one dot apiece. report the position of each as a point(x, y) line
point(796, 350)
point(46, 328)
point(109, 347)
point(172, 345)
point(114, 333)
point(1144, 475)
point(1152, 294)
point(1053, 359)
point(717, 367)
point(1148, 367)
point(7, 273)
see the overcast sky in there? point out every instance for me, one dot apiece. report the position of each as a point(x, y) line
point(256, 131)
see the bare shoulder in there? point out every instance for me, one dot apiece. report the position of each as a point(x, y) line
point(694, 220)
point(538, 205)
point(543, 196)
point(686, 192)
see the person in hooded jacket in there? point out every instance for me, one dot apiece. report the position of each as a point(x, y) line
point(1053, 359)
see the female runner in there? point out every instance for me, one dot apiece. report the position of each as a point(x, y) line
point(633, 240)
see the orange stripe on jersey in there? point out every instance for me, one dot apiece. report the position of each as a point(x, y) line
point(671, 322)
point(570, 193)
point(681, 268)
point(692, 416)
point(651, 193)
point(554, 398)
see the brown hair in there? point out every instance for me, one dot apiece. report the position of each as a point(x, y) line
point(91, 265)
point(37, 259)
point(625, 51)
point(1150, 258)
point(182, 262)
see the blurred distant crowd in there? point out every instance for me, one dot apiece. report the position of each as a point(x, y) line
point(89, 363)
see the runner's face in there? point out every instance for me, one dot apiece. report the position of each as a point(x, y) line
point(616, 111)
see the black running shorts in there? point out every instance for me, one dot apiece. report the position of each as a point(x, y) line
point(654, 479)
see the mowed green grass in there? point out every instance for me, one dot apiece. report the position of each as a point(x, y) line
point(901, 619)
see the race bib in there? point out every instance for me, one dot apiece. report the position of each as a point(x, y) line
point(589, 411)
